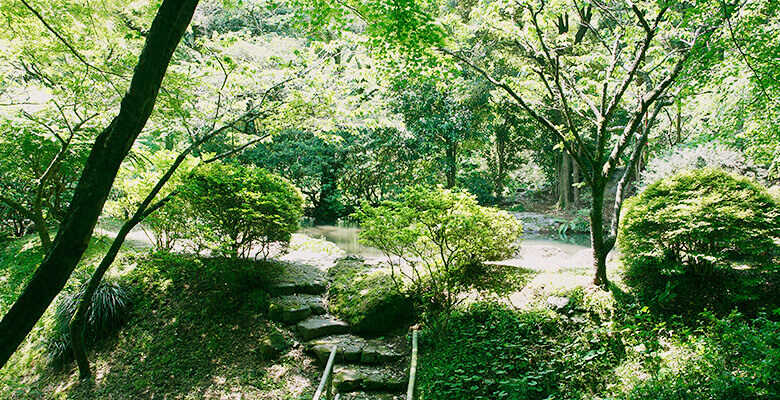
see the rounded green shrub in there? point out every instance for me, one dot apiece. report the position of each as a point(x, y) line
point(238, 209)
point(696, 219)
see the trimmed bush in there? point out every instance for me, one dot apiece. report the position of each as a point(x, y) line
point(237, 208)
point(696, 219)
point(367, 299)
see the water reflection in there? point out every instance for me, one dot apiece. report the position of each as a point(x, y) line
point(345, 235)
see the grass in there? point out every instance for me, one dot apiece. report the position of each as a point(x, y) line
point(192, 334)
point(196, 326)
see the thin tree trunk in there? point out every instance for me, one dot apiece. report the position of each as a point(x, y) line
point(451, 162)
point(601, 247)
point(564, 181)
point(107, 154)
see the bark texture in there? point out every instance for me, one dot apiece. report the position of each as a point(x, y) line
point(108, 151)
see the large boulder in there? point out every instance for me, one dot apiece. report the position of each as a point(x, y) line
point(367, 298)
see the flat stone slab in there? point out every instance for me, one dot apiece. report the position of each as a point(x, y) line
point(354, 349)
point(372, 396)
point(296, 307)
point(319, 326)
point(316, 286)
point(361, 378)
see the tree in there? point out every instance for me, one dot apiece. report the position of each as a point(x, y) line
point(586, 73)
point(595, 85)
point(312, 162)
point(109, 149)
point(440, 122)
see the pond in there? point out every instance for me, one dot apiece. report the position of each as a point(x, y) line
point(345, 235)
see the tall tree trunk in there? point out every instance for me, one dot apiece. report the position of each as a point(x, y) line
point(108, 151)
point(601, 247)
point(575, 187)
point(501, 144)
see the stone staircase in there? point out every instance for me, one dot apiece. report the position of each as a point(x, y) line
point(365, 369)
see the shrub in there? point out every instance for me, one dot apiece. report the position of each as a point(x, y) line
point(443, 238)
point(109, 308)
point(368, 299)
point(168, 225)
point(695, 219)
point(238, 207)
point(727, 359)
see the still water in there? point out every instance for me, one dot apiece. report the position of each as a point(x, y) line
point(345, 235)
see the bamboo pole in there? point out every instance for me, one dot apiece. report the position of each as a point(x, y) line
point(413, 367)
point(327, 377)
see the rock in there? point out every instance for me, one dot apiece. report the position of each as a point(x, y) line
point(370, 379)
point(293, 308)
point(320, 326)
point(317, 305)
point(318, 286)
point(353, 349)
point(271, 346)
point(557, 304)
point(283, 288)
point(289, 313)
point(535, 223)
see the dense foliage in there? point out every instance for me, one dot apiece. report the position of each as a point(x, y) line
point(492, 352)
point(728, 359)
point(695, 219)
point(443, 237)
point(241, 210)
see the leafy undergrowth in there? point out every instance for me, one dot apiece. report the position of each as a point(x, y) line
point(602, 345)
point(194, 333)
point(492, 352)
point(18, 260)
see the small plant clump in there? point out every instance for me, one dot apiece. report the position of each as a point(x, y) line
point(109, 309)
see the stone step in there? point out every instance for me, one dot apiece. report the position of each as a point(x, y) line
point(356, 378)
point(293, 308)
point(371, 396)
point(354, 349)
point(321, 325)
point(309, 286)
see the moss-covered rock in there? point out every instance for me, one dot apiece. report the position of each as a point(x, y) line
point(367, 298)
